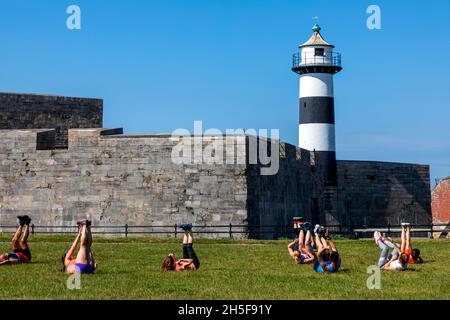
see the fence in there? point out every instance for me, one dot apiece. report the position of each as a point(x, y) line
point(232, 231)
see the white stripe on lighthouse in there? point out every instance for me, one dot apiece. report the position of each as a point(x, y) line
point(317, 136)
point(316, 85)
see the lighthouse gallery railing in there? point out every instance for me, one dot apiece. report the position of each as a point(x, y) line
point(309, 58)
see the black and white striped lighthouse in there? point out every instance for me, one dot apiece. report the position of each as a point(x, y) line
point(316, 64)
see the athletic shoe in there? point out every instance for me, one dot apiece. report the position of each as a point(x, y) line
point(316, 228)
point(21, 222)
point(88, 223)
point(185, 227)
point(322, 231)
point(307, 226)
point(26, 220)
point(378, 237)
point(405, 224)
point(84, 222)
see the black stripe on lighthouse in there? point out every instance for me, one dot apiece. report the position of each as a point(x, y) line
point(316, 110)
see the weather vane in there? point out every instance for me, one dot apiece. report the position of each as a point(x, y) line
point(316, 19)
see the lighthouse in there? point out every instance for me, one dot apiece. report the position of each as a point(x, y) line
point(317, 63)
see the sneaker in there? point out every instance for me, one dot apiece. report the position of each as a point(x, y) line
point(316, 228)
point(88, 223)
point(378, 237)
point(306, 226)
point(82, 222)
point(405, 224)
point(322, 232)
point(185, 227)
point(26, 220)
point(21, 222)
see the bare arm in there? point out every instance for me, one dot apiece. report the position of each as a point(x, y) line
point(185, 262)
point(9, 261)
point(310, 257)
point(290, 245)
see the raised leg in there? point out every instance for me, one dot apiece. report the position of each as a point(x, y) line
point(23, 241)
point(309, 242)
point(190, 249)
point(332, 246)
point(408, 238)
point(383, 254)
point(15, 240)
point(72, 249)
point(185, 237)
point(83, 253)
point(301, 239)
point(89, 245)
point(319, 243)
point(324, 242)
point(403, 237)
point(190, 239)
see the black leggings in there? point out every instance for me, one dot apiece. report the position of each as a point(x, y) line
point(189, 253)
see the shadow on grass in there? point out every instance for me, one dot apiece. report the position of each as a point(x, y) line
point(426, 262)
point(410, 270)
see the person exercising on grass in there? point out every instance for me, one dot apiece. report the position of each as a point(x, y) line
point(413, 254)
point(301, 249)
point(84, 261)
point(402, 255)
point(21, 252)
point(327, 258)
point(190, 260)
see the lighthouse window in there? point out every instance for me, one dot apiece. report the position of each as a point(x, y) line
point(319, 52)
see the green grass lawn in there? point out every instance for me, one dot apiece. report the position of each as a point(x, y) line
point(240, 269)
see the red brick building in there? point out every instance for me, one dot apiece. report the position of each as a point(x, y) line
point(440, 201)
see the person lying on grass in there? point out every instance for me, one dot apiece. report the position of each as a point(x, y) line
point(84, 262)
point(327, 258)
point(190, 260)
point(413, 254)
point(402, 255)
point(396, 261)
point(21, 251)
point(385, 244)
point(301, 249)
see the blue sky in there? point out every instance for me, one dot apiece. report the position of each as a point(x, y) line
point(160, 65)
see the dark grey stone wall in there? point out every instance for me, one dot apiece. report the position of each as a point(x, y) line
point(273, 200)
point(381, 193)
point(29, 111)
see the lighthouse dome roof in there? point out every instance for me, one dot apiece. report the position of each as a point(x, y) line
point(316, 39)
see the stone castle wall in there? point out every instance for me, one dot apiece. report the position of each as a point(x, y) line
point(29, 111)
point(380, 193)
point(59, 175)
point(115, 180)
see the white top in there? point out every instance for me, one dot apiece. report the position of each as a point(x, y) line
point(396, 265)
